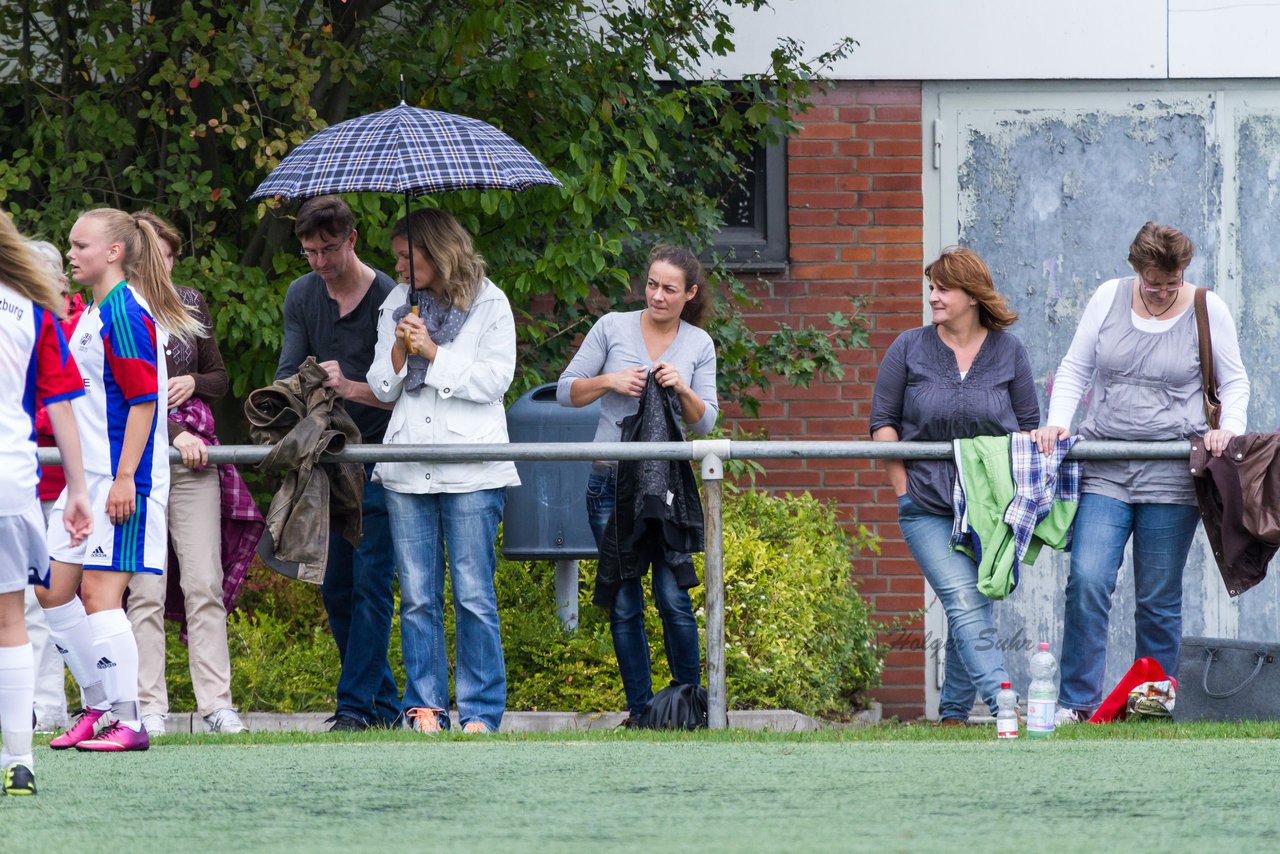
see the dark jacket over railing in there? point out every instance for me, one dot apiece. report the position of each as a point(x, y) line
point(657, 511)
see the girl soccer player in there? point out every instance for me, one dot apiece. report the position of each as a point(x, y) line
point(118, 346)
point(35, 369)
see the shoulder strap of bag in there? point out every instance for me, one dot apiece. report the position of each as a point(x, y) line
point(1209, 381)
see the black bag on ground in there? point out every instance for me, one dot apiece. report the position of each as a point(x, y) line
point(1222, 679)
point(676, 707)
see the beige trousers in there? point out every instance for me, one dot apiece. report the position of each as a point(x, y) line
point(195, 533)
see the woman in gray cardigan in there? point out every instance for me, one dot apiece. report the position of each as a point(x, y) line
point(1137, 346)
point(611, 366)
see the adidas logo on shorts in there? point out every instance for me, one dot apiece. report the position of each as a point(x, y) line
point(105, 663)
point(61, 651)
point(97, 552)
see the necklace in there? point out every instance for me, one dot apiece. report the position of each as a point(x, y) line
point(1143, 297)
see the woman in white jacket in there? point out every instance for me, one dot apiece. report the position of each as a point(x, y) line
point(447, 386)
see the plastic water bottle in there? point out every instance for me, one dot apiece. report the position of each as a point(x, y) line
point(1007, 712)
point(1042, 693)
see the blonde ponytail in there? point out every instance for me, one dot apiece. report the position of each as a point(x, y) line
point(26, 273)
point(146, 270)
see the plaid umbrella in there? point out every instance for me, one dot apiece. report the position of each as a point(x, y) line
point(405, 150)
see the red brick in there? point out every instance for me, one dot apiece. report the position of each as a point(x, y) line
point(900, 252)
point(899, 287)
point(889, 96)
point(889, 200)
point(817, 305)
point(857, 253)
point(897, 148)
point(898, 217)
point(822, 183)
point(887, 165)
point(818, 166)
point(853, 216)
point(909, 180)
point(808, 216)
point(883, 270)
point(815, 252)
point(820, 235)
point(840, 201)
point(825, 130)
point(887, 113)
point(890, 130)
point(854, 115)
point(853, 147)
point(812, 148)
point(889, 235)
point(907, 584)
point(820, 409)
point(822, 271)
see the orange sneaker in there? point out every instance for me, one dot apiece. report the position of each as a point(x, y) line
point(475, 728)
point(424, 719)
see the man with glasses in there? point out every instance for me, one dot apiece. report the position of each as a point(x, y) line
point(332, 313)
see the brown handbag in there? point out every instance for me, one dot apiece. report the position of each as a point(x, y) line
point(1208, 381)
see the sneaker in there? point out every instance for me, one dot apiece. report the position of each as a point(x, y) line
point(154, 724)
point(1071, 716)
point(425, 719)
point(475, 728)
point(84, 727)
point(116, 739)
point(224, 721)
point(345, 723)
point(18, 780)
point(953, 722)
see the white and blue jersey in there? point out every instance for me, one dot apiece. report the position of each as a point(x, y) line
point(36, 369)
point(118, 348)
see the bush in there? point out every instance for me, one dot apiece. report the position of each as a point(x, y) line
point(798, 635)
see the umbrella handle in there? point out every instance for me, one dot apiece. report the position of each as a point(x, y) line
point(408, 346)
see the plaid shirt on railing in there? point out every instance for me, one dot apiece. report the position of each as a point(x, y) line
point(1038, 481)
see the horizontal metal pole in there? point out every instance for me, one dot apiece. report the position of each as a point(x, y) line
point(772, 450)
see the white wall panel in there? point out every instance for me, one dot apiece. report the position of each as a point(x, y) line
point(963, 39)
point(1223, 38)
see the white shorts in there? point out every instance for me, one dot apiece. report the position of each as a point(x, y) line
point(139, 545)
point(24, 559)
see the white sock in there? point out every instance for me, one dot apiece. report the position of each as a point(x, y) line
point(118, 654)
point(70, 631)
point(17, 698)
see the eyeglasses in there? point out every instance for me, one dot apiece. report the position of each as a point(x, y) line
point(323, 251)
point(1166, 287)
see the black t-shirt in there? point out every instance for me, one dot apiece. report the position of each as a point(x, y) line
point(312, 327)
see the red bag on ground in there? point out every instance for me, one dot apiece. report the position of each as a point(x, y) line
point(1114, 707)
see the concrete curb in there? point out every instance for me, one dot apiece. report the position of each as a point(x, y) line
point(772, 720)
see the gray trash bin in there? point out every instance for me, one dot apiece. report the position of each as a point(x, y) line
point(546, 516)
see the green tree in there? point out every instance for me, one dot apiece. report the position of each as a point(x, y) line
point(185, 105)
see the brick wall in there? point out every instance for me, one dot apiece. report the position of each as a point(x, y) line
point(856, 228)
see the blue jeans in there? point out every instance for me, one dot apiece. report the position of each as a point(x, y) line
point(358, 598)
point(974, 660)
point(1102, 527)
point(466, 524)
point(626, 617)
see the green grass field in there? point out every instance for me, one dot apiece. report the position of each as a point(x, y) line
point(893, 788)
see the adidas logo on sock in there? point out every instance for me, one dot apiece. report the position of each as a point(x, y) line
point(97, 552)
point(105, 663)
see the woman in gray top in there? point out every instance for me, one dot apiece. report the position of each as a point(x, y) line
point(1138, 347)
point(611, 366)
point(959, 377)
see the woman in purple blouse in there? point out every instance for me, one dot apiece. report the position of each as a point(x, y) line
point(960, 376)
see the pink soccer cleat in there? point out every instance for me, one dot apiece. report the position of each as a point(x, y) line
point(80, 730)
point(115, 739)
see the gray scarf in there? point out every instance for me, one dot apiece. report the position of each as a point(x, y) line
point(443, 324)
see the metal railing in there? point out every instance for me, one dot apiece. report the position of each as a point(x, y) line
point(711, 455)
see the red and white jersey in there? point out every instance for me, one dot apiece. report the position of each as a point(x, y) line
point(115, 345)
point(36, 369)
